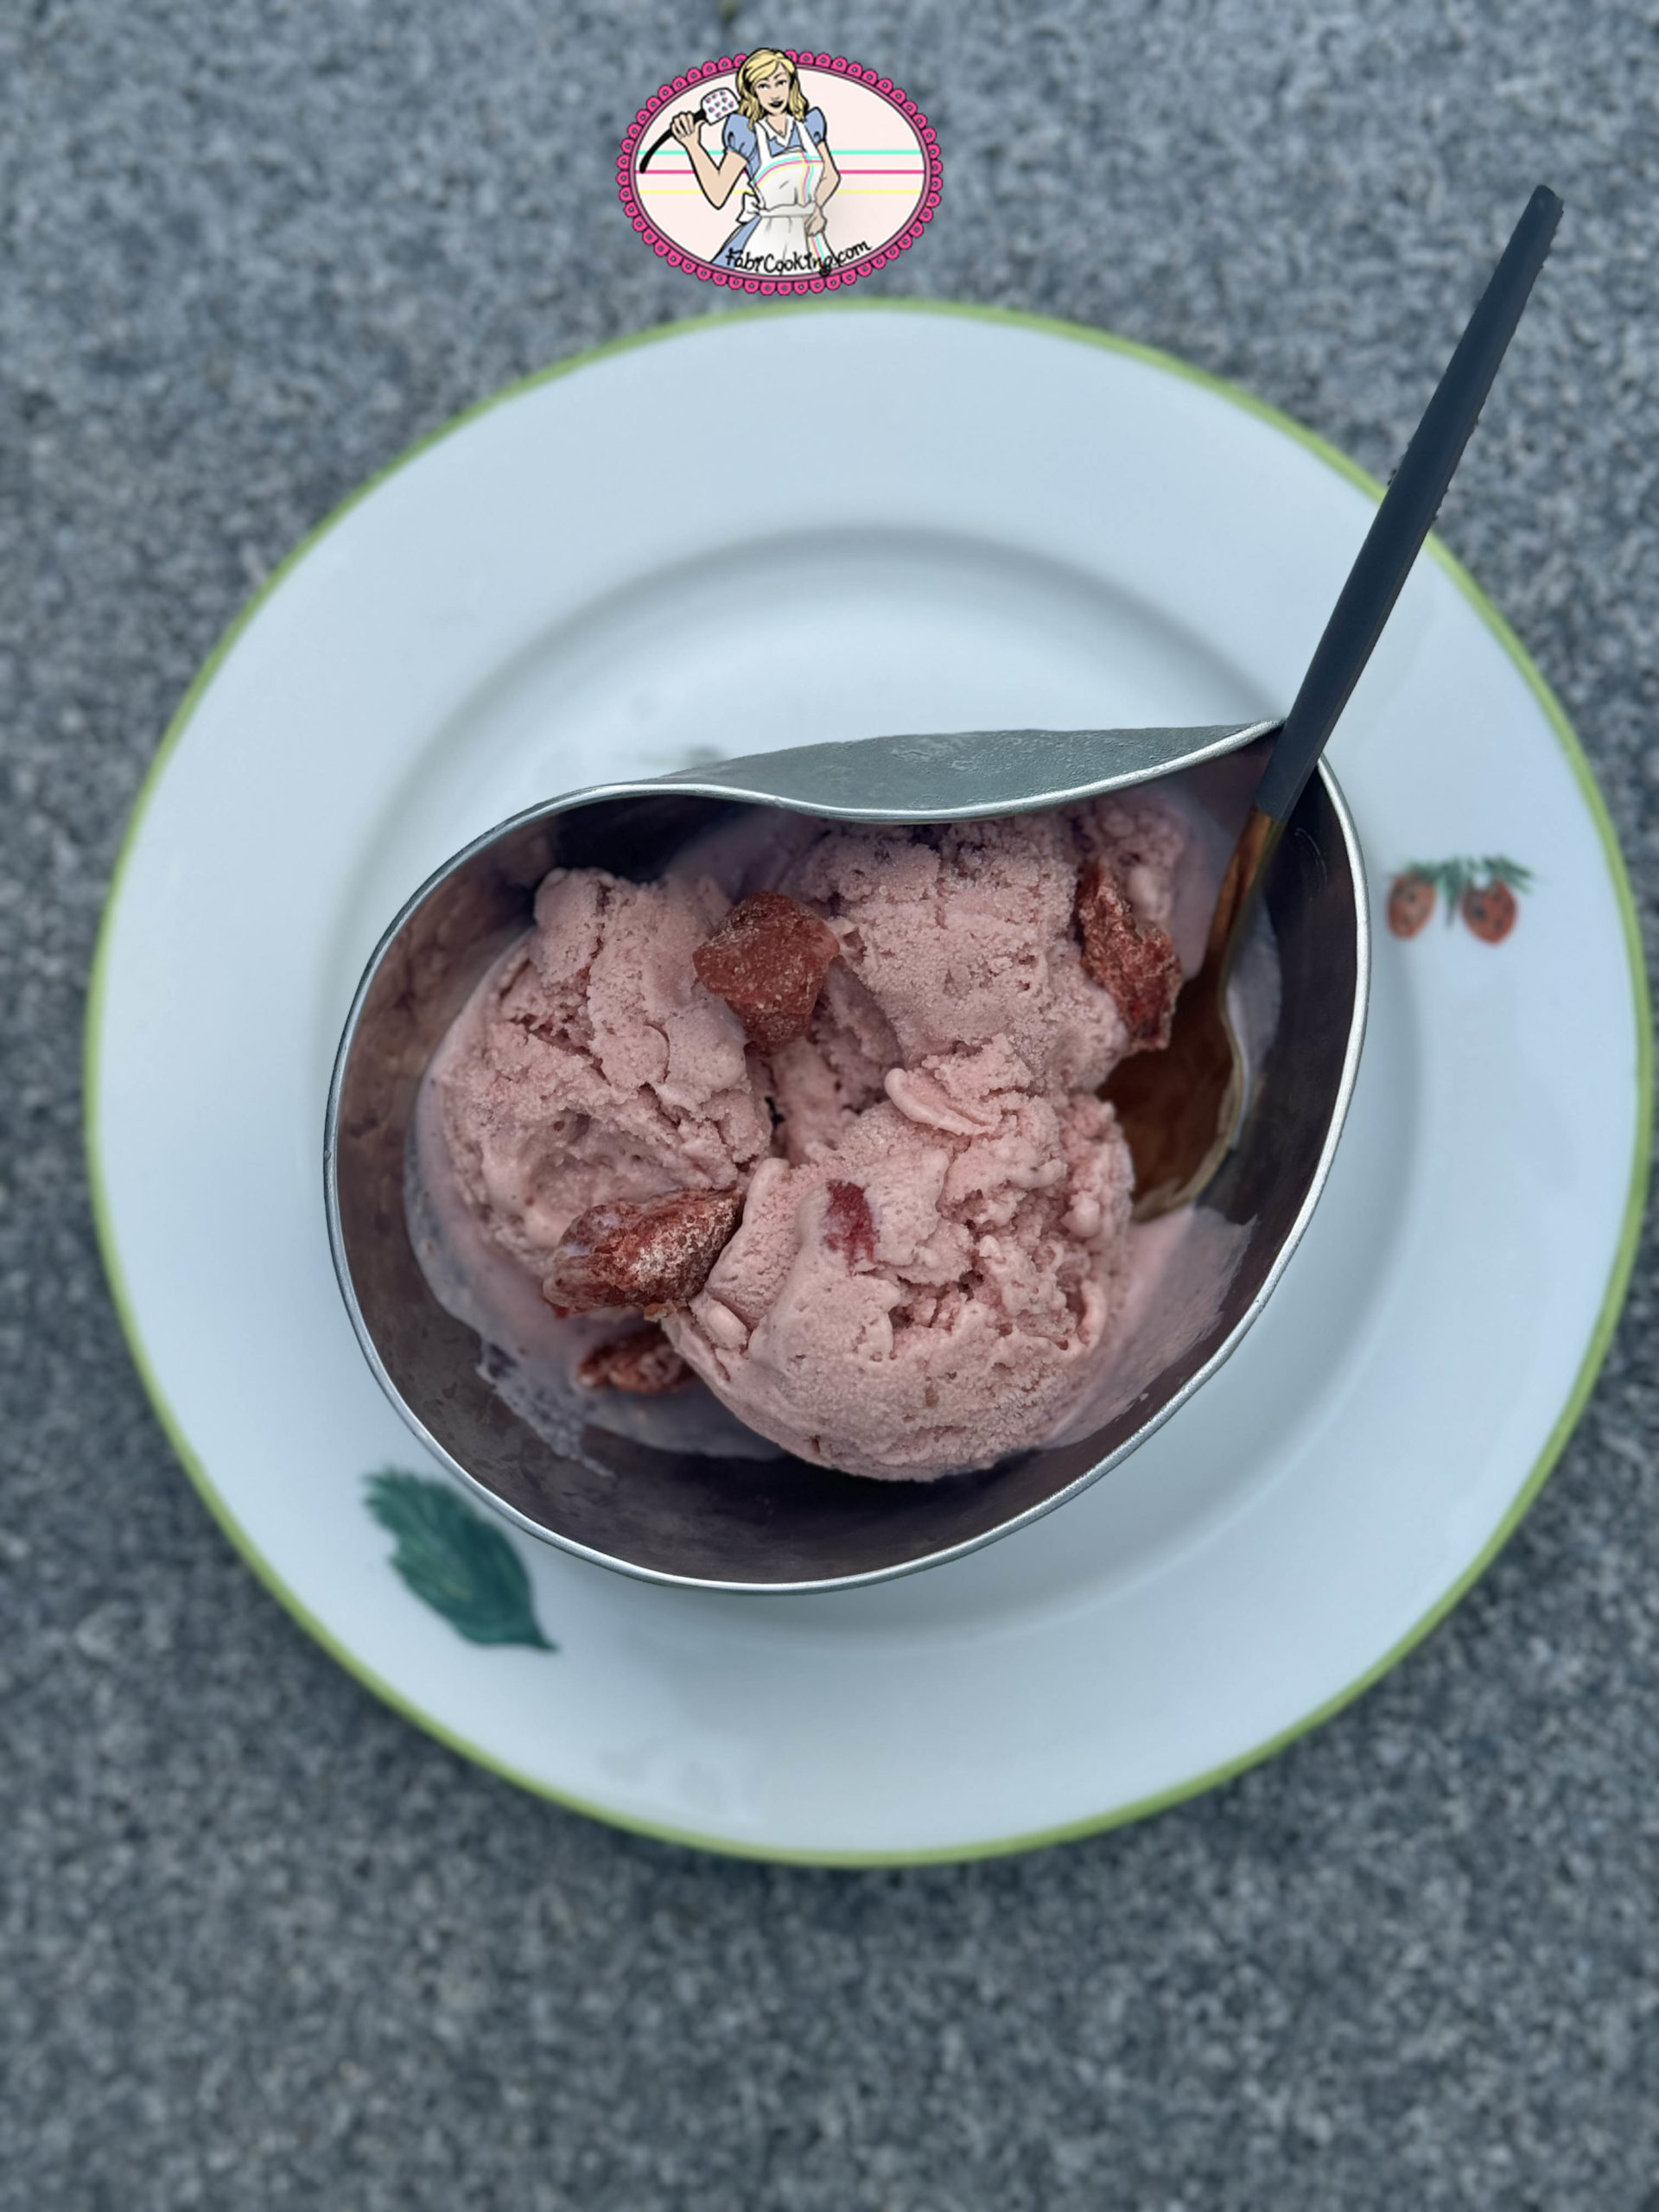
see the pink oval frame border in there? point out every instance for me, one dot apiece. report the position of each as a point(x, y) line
point(779, 287)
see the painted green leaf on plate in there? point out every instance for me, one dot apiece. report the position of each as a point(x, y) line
point(454, 1560)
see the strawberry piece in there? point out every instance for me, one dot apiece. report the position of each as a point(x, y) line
point(1136, 964)
point(645, 1364)
point(849, 1225)
point(649, 1254)
point(768, 960)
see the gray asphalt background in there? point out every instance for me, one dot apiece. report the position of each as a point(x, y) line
point(263, 1944)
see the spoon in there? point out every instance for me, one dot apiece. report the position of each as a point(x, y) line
point(1179, 1109)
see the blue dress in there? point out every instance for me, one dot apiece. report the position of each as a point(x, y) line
point(782, 181)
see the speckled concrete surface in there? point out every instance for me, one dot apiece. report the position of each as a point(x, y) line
point(265, 1945)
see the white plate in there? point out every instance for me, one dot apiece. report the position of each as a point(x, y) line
point(824, 523)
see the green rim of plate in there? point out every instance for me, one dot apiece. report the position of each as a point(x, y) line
point(1601, 1335)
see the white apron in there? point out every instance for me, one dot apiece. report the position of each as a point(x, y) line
point(779, 199)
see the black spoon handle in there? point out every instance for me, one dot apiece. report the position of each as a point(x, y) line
point(1408, 508)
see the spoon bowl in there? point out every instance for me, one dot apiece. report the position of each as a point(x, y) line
point(779, 1524)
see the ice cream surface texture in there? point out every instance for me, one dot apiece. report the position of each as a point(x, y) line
point(885, 1044)
point(590, 1064)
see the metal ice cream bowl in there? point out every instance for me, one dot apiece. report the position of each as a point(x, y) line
point(779, 1524)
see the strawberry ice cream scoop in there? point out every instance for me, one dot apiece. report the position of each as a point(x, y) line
point(928, 1295)
point(591, 1067)
point(954, 936)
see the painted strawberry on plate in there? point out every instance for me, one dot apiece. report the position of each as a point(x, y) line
point(1485, 892)
point(1411, 900)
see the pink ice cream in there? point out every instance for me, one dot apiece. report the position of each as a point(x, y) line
point(934, 1200)
point(925, 1295)
point(591, 1065)
point(958, 938)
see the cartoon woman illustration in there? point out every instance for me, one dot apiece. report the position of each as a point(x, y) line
point(781, 147)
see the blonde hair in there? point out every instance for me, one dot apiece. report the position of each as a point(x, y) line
point(760, 64)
